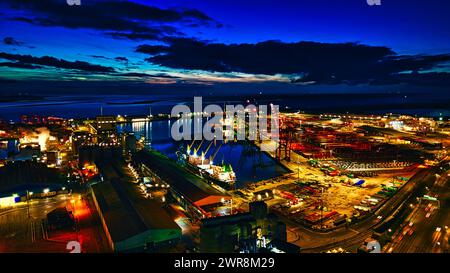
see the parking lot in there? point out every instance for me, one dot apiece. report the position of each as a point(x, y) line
point(324, 195)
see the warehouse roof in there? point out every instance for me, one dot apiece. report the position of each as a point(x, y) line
point(189, 185)
point(37, 175)
point(126, 215)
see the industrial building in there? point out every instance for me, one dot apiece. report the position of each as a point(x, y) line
point(132, 223)
point(255, 231)
point(193, 194)
point(8, 147)
point(37, 181)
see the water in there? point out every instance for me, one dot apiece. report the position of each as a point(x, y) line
point(82, 106)
point(89, 106)
point(248, 163)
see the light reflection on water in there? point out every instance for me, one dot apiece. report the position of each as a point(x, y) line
point(248, 163)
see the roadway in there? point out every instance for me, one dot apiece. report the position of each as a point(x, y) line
point(425, 230)
point(19, 231)
point(22, 227)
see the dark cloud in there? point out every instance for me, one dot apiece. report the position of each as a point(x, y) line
point(99, 57)
point(155, 33)
point(19, 65)
point(22, 19)
point(418, 79)
point(145, 75)
point(4, 80)
point(121, 19)
point(121, 59)
point(306, 62)
point(57, 63)
point(12, 42)
point(144, 12)
point(75, 67)
point(135, 36)
point(152, 49)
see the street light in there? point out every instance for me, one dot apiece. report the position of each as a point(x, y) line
point(28, 204)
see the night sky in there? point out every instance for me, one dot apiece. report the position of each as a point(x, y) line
point(297, 45)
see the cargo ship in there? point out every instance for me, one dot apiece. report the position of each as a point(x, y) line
point(222, 175)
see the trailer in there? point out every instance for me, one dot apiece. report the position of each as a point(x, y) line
point(362, 208)
point(359, 182)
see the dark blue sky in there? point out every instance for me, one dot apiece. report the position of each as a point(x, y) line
point(317, 42)
point(414, 26)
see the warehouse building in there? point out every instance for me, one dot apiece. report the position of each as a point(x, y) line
point(252, 232)
point(132, 223)
point(197, 197)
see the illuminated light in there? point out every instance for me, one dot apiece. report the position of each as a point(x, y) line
point(7, 201)
point(46, 190)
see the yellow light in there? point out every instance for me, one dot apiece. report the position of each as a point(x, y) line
point(7, 201)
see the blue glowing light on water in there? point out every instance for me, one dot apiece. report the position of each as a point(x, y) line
point(249, 164)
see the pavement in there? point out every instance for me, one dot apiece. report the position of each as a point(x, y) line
point(22, 228)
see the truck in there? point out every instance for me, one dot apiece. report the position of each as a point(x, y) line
point(359, 182)
point(363, 208)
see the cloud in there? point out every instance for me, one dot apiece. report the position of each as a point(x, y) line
point(154, 33)
point(121, 59)
point(4, 80)
point(99, 57)
point(152, 49)
point(303, 62)
point(145, 75)
point(418, 79)
point(119, 19)
point(12, 42)
point(57, 63)
point(19, 65)
point(76, 68)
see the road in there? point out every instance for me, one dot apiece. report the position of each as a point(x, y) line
point(22, 229)
point(425, 229)
point(19, 231)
